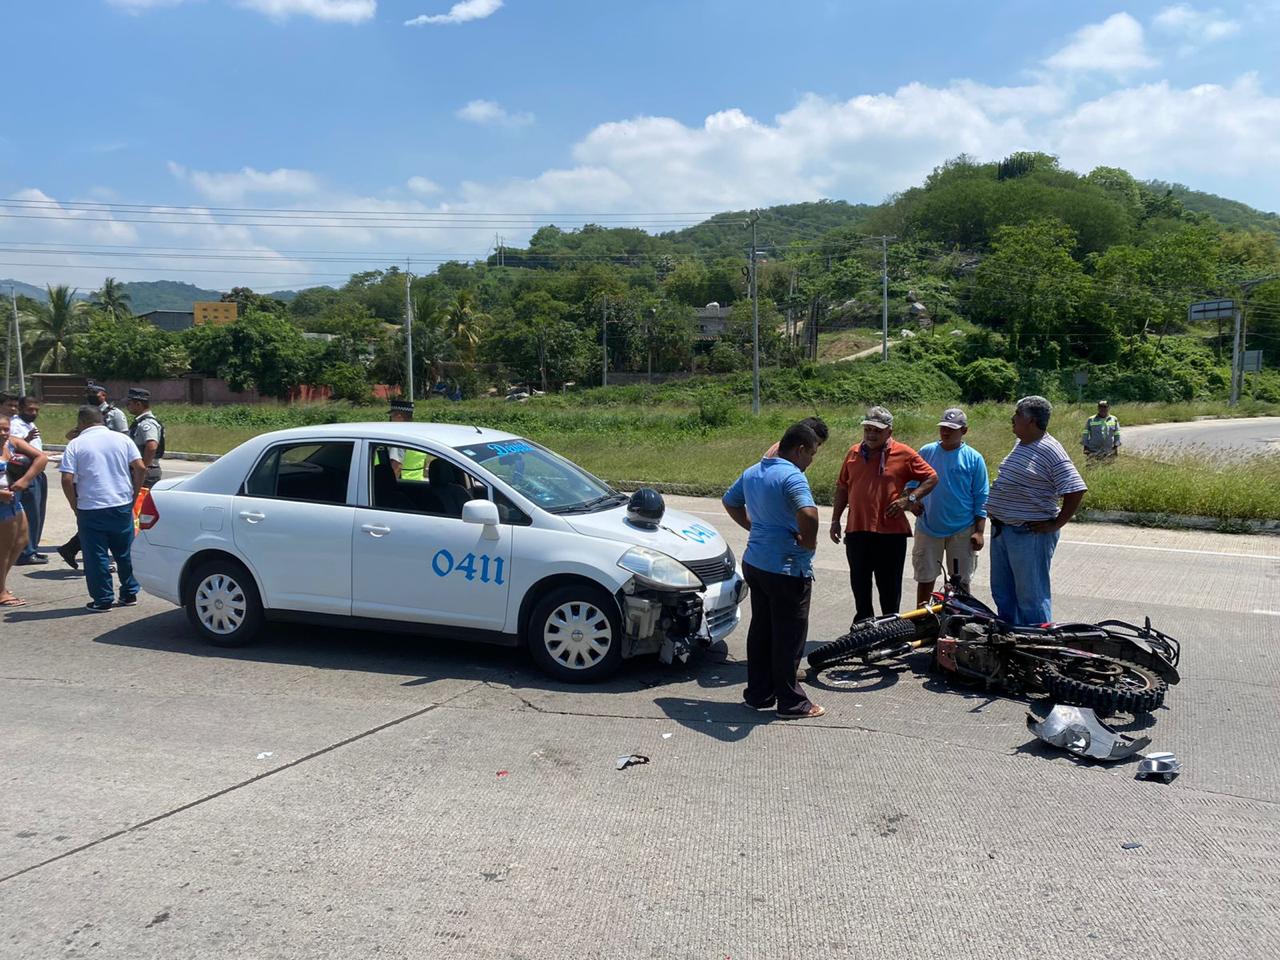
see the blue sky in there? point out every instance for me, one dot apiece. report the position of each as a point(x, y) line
point(542, 107)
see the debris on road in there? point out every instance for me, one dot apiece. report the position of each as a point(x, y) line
point(667, 736)
point(631, 760)
point(1158, 766)
point(266, 755)
point(1079, 731)
point(503, 773)
point(1130, 846)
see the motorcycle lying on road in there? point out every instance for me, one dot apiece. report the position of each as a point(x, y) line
point(1111, 666)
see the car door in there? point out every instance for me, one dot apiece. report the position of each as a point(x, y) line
point(414, 557)
point(293, 520)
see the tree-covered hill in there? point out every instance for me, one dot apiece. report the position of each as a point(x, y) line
point(1040, 272)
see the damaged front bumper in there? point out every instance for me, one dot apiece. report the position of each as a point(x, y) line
point(671, 622)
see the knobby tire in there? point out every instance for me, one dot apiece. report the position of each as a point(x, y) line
point(857, 642)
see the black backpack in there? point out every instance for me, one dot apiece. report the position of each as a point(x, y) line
point(133, 433)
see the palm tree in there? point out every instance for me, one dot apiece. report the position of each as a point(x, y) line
point(113, 300)
point(465, 322)
point(50, 327)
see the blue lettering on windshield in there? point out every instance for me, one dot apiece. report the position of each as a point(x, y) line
point(510, 446)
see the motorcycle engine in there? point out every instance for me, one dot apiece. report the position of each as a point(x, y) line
point(973, 654)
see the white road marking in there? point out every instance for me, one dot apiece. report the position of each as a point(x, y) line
point(1118, 546)
point(1139, 546)
point(1267, 613)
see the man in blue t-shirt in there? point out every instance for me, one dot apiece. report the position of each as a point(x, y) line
point(772, 501)
point(952, 517)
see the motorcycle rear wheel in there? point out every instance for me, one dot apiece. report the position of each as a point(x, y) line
point(1133, 689)
point(853, 644)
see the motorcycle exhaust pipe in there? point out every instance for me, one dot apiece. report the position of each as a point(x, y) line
point(885, 653)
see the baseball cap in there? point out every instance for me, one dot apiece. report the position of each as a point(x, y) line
point(878, 417)
point(953, 417)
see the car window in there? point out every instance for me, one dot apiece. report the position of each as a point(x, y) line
point(312, 472)
point(413, 480)
point(549, 480)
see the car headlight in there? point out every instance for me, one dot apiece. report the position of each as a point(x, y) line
point(659, 570)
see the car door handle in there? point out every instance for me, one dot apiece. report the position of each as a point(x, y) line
point(375, 529)
point(252, 516)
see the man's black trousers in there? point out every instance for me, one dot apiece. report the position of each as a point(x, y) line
point(880, 555)
point(775, 641)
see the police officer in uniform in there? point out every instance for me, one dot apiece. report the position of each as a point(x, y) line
point(112, 415)
point(406, 464)
point(147, 433)
point(1101, 437)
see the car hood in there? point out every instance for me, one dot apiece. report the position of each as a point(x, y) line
point(680, 535)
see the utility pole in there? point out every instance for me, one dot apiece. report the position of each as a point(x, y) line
point(604, 342)
point(884, 295)
point(755, 321)
point(1238, 342)
point(408, 331)
point(8, 348)
point(15, 345)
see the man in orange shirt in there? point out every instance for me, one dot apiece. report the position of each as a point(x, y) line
point(871, 484)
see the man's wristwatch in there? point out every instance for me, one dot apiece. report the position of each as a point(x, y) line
point(912, 498)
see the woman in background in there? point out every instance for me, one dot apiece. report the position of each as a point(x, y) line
point(13, 521)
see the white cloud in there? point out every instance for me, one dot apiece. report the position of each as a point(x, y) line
point(459, 13)
point(137, 6)
point(422, 186)
point(1158, 130)
point(1116, 46)
point(338, 11)
point(488, 113)
point(1194, 27)
point(234, 186)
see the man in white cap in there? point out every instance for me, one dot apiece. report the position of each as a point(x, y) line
point(873, 485)
point(952, 519)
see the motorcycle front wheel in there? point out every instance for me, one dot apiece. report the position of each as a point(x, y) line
point(864, 637)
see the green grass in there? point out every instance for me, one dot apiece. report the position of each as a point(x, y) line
point(701, 448)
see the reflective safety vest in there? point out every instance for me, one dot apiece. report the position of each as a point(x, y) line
point(414, 465)
point(1101, 434)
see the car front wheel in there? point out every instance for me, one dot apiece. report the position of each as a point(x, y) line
point(222, 603)
point(575, 634)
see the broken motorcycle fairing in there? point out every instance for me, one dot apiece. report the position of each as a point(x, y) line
point(1079, 731)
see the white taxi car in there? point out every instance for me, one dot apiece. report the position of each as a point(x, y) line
point(500, 540)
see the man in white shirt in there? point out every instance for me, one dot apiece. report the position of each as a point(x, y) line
point(36, 498)
point(102, 474)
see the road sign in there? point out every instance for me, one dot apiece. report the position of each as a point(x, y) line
point(1211, 310)
point(1252, 361)
point(1082, 377)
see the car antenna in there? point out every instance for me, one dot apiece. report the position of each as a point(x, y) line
point(477, 429)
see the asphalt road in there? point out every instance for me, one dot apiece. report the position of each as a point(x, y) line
point(334, 794)
point(1247, 436)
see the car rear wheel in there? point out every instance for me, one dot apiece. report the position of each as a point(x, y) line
point(222, 603)
point(575, 634)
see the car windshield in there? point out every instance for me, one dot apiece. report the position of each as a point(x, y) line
point(549, 480)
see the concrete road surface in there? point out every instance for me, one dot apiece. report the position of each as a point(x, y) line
point(1247, 436)
point(333, 794)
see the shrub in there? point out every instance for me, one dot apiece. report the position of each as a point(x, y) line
point(989, 379)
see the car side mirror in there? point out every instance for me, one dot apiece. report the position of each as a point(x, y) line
point(484, 512)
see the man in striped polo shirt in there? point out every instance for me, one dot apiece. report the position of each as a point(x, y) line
point(1025, 515)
